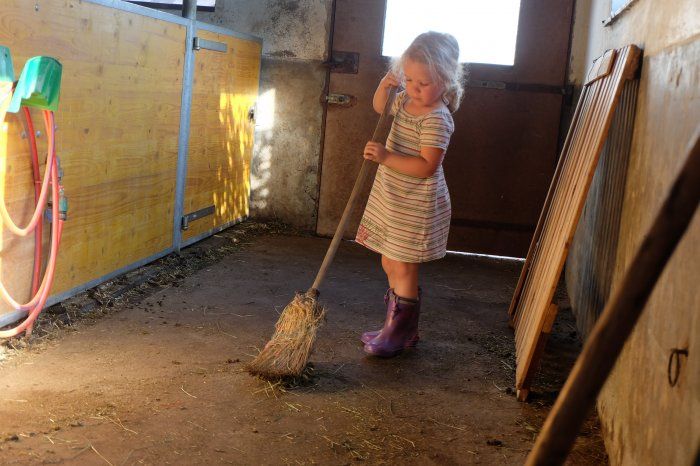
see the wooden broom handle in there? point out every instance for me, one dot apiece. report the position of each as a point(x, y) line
point(359, 182)
point(619, 316)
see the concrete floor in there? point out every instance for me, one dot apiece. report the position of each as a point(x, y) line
point(147, 369)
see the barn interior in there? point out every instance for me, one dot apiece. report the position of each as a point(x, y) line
point(173, 172)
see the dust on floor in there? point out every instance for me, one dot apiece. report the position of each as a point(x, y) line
point(158, 378)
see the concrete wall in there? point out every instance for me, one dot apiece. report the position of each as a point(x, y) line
point(285, 166)
point(645, 420)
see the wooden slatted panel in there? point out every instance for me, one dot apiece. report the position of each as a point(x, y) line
point(221, 134)
point(118, 122)
point(531, 310)
point(597, 234)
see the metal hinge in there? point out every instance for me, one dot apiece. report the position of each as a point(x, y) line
point(186, 219)
point(343, 62)
point(199, 43)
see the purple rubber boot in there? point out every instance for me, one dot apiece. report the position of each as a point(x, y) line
point(400, 328)
point(369, 336)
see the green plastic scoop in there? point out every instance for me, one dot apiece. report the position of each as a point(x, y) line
point(7, 73)
point(39, 85)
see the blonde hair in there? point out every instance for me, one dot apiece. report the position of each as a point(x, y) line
point(440, 52)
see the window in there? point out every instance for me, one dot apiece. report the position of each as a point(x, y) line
point(617, 7)
point(486, 30)
point(202, 5)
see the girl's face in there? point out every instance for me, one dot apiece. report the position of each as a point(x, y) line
point(420, 84)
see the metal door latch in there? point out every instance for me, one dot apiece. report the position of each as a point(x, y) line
point(342, 100)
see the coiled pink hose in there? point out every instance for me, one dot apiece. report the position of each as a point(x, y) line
point(36, 216)
point(39, 232)
point(40, 292)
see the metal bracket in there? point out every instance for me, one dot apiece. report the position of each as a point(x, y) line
point(486, 84)
point(342, 100)
point(343, 62)
point(191, 217)
point(199, 43)
point(520, 87)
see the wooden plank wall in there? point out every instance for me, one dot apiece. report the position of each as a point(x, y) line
point(221, 134)
point(118, 124)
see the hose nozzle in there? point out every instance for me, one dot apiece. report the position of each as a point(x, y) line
point(62, 204)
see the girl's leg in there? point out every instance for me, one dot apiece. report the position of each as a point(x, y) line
point(400, 329)
point(404, 278)
point(389, 266)
point(388, 270)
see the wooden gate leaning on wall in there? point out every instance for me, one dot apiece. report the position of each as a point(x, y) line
point(118, 124)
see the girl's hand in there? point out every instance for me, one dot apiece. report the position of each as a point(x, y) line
point(375, 151)
point(389, 80)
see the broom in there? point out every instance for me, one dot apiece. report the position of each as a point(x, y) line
point(287, 352)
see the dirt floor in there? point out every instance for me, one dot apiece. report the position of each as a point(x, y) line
point(148, 368)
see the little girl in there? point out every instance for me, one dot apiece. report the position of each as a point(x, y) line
point(407, 218)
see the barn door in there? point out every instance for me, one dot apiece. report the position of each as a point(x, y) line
point(503, 153)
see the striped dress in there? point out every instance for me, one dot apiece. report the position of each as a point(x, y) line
point(407, 218)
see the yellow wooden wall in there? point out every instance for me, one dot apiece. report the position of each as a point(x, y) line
point(118, 124)
point(221, 135)
point(117, 121)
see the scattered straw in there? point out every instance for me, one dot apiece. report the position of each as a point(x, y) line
point(188, 394)
point(290, 405)
point(218, 326)
point(100, 455)
point(331, 442)
point(404, 439)
point(116, 421)
point(446, 425)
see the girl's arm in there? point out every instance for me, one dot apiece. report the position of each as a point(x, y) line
point(382, 92)
point(420, 167)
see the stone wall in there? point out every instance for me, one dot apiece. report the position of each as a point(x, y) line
point(289, 123)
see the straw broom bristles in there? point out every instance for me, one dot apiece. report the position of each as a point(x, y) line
point(287, 352)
